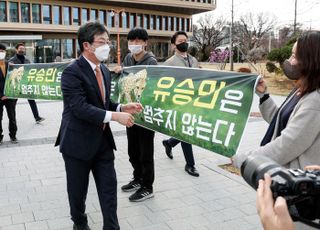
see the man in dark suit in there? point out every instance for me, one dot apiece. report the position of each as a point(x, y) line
point(85, 137)
point(19, 58)
point(10, 104)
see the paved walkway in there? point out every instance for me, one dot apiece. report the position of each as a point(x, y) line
point(33, 186)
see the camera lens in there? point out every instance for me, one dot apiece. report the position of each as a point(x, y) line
point(254, 168)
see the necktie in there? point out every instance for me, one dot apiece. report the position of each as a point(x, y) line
point(101, 88)
point(100, 83)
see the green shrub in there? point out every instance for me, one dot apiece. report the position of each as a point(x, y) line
point(271, 67)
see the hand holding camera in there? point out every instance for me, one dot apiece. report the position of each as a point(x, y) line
point(299, 188)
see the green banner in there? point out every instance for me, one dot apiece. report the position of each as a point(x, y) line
point(206, 108)
point(35, 81)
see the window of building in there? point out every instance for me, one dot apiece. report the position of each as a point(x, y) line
point(188, 25)
point(75, 16)
point(46, 10)
point(3, 11)
point(67, 47)
point(25, 12)
point(93, 15)
point(57, 15)
point(169, 23)
point(109, 19)
point(84, 15)
point(14, 12)
point(151, 22)
point(102, 16)
point(66, 15)
point(139, 20)
point(183, 24)
point(174, 23)
point(164, 22)
point(132, 20)
point(124, 22)
point(158, 22)
point(146, 21)
point(36, 13)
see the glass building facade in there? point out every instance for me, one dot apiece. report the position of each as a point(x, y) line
point(67, 16)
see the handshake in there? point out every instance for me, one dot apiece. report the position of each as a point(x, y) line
point(125, 117)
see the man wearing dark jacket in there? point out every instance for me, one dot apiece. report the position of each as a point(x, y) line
point(85, 138)
point(10, 104)
point(140, 140)
point(19, 58)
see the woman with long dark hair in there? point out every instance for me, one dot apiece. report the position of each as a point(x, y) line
point(293, 136)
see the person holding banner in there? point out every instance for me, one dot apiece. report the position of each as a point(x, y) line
point(293, 135)
point(10, 104)
point(85, 137)
point(140, 140)
point(19, 58)
point(183, 59)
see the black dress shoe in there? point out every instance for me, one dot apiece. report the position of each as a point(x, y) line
point(191, 170)
point(81, 227)
point(168, 148)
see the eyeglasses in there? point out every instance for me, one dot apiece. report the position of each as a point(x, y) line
point(108, 42)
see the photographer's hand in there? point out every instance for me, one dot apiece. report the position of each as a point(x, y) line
point(312, 167)
point(273, 215)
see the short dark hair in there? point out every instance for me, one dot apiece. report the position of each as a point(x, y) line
point(308, 57)
point(138, 33)
point(87, 32)
point(19, 44)
point(2, 47)
point(176, 34)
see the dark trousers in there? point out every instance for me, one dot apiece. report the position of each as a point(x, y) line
point(102, 167)
point(10, 105)
point(141, 150)
point(34, 108)
point(186, 148)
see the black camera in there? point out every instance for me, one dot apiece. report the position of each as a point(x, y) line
point(300, 188)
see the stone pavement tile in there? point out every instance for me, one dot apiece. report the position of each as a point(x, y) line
point(253, 220)
point(9, 209)
point(5, 220)
point(191, 199)
point(226, 202)
point(124, 225)
point(213, 194)
point(156, 226)
point(22, 218)
point(185, 212)
point(14, 227)
point(25, 207)
point(39, 225)
point(234, 224)
point(158, 205)
point(128, 212)
point(248, 209)
point(59, 223)
point(183, 225)
point(138, 221)
point(49, 214)
point(158, 217)
point(211, 206)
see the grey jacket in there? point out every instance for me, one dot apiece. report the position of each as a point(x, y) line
point(148, 59)
point(178, 60)
point(299, 143)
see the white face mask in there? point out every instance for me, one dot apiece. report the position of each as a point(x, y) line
point(135, 49)
point(2, 55)
point(102, 52)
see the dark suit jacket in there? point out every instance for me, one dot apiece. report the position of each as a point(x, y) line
point(16, 60)
point(81, 131)
point(2, 82)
